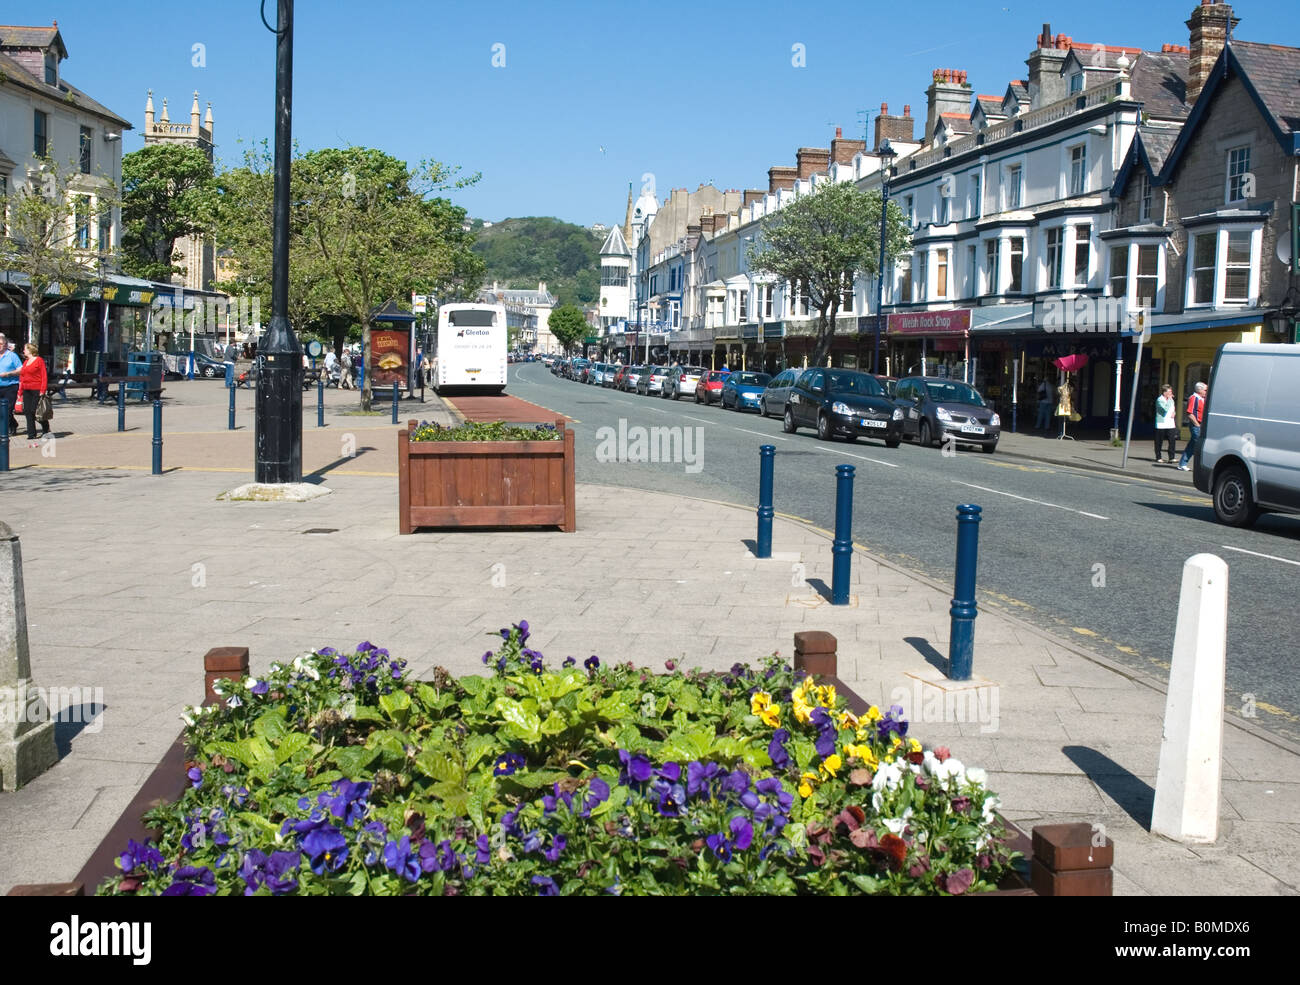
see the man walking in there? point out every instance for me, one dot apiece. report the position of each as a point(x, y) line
point(1195, 419)
point(1046, 404)
point(232, 353)
point(10, 366)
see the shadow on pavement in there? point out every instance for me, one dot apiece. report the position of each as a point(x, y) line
point(71, 721)
point(932, 656)
point(1134, 795)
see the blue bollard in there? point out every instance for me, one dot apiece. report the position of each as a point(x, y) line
point(320, 401)
point(4, 435)
point(230, 374)
point(121, 406)
point(766, 461)
point(394, 403)
point(961, 635)
point(157, 437)
point(230, 424)
point(842, 546)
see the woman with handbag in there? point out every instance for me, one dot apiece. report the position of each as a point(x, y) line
point(32, 384)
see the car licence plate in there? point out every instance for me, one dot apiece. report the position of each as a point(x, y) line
point(869, 423)
point(972, 429)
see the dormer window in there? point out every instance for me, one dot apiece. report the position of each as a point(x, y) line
point(51, 69)
point(1076, 83)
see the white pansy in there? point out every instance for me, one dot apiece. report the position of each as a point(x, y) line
point(187, 718)
point(897, 824)
point(217, 688)
point(950, 769)
point(233, 701)
point(887, 777)
point(990, 805)
point(250, 683)
point(977, 776)
point(305, 665)
point(929, 763)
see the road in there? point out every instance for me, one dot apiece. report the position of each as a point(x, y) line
point(1088, 556)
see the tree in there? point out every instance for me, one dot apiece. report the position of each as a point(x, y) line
point(821, 241)
point(169, 192)
point(567, 324)
point(47, 235)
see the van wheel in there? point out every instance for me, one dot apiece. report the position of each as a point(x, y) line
point(788, 425)
point(1233, 503)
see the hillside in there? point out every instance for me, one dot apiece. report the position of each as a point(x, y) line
point(521, 252)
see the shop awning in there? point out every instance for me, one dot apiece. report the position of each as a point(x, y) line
point(1002, 319)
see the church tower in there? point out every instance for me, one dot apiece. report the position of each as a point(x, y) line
point(198, 253)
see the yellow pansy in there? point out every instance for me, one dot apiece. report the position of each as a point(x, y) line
point(848, 720)
point(874, 715)
point(895, 742)
point(832, 763)
point(761, 705)
point(913, 745)
point(806, 782)
point(863, 752)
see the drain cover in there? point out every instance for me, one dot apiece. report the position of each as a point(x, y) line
point(322, 530)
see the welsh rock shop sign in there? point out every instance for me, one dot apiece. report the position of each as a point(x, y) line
point(954, 321)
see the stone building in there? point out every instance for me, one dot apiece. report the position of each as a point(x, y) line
point(197, 253)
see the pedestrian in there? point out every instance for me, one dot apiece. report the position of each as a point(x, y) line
point(33, 382)
point(231, 354)
point(331, 368)
point(1046, 404)
point(10, 365)
point(1195, 417)
point(1166, 423)
point(345, 377)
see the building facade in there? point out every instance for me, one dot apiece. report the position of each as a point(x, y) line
point(197, 254)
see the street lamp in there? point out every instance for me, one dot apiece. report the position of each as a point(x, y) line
point(886, 153)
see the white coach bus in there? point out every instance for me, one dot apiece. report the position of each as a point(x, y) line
point(471, 348)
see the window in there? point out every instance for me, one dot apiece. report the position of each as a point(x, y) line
point(905, 279)
point(1147, 275)
point(941, 274)
point(1144, 203)
point(744, 306)
point(1053, 256)
point(1203, 268)
point(1017, 263)
point(920, 277)
point(1082, 255)
point(86, 144)
point(1078, 169)
point(767, 290)
point(1013, 186)
point(991, 265)
point(81, 220)
point(51, 69)
point(798, 300)
point(1119, 271)
point(945, 210)
point(1236, 279)
point(612, 276)
point(908, 213)
point(972, 272)
point(846, 294)
point(976, 203)
point(1076, 83)
point(40, 134)
point(4, 205)
point(1238, 168)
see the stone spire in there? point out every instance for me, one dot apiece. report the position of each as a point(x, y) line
point(207, 119)
point(148, 112)
point(164, 118)
point(194, 113)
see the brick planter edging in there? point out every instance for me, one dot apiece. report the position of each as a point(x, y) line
point(1063, 859)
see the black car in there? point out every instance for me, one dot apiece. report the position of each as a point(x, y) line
point(936, 409)
point(843, 401)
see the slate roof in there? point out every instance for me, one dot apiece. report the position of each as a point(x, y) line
point(1274, 71)
point(16, 36)
point(1159, 80)
point(957, 122)
point(615, 245)
point(15, 74)
point(1157, 142)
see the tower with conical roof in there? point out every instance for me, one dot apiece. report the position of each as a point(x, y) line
point(198, 254)
point(615, 280)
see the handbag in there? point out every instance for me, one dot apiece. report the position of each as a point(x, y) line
point(18, 404)
point(44, 407)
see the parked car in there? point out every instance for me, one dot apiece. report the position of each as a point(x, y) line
point(207, 367)
point(630, 378)
point(843, 401)
point(936, 409)
point(578, 369)
point(890, 384)
point(650, 373)
point(775, 393)
point(743, 390)
point(682, 380)
point(1247, 457)
point(596, 374)
point(709, 388)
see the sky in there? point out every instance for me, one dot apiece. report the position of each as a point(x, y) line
point(559, 105)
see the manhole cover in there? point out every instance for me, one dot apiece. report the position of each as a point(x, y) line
point(322, 530)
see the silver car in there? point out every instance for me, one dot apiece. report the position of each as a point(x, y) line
point(772, 401)
point(938, 409)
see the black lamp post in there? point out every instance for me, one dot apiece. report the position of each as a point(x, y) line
point(279, 380)
point(886, 153)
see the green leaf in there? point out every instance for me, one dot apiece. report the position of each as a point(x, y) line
point(520, 723)
point(534, 780)
point(270, 725)
point(617, 798)
point(396, 705)
point(868, 884)
point(352, 760)
point(555, 724)
point(473, 683)
point(437, 764)
point(474, 807)
point(454, 797)
point(290, 746)
point(476, 747)
point(264, 824)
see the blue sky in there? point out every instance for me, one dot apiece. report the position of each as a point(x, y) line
point(591, 95)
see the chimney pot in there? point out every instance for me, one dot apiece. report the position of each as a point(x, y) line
point(907, 109)
point(884, 109)
point(838, 133)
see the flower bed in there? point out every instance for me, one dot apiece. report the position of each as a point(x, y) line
point(337, 775)
point(486, 475)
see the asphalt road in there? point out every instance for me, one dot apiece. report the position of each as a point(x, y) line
point(1088, 556)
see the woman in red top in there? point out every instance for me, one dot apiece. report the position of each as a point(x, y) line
point(32, 383)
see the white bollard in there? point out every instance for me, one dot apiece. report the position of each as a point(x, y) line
point(1191, 750)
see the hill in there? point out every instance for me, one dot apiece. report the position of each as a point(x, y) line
point(520, 252)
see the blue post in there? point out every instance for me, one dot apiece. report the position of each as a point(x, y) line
point(320, 401)
point(842, 546)
point(4, 435)
point(230, 424)
point(961, 635)
point(394, 403)
point(121, 406)
point(157, 437)
point(766, 461)
point(230, 374)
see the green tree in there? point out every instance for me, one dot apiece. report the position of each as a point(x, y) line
point(567, 324)
point(821, 241)
point(45, 235)
point(169, 192)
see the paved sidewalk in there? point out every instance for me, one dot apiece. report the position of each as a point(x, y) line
point(1097, 455)
point(130, 578)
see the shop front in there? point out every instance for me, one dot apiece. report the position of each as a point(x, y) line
point(1185, 351)
point(929, 343)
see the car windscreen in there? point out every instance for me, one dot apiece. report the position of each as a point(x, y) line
point(716, 375)
point(954, 392)
point(751, 379)
point(858, 383)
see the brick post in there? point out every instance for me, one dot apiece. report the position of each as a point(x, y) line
point(1068, 863)
point(814, 653)
point(223, 662)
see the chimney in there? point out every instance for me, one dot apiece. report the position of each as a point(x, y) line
point(895, 129)
point(1211, 24)
point(842, 150)
point(1045, 83)
point(812, 160)
point(780, 176)
point(948, 93)
point(753, 195)
point(693, 228)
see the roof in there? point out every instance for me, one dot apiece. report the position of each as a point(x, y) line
point(988, 102)
point(13, 73)
point(1149, 150)
point(615, 245)
point(1159, 80)
point(956, 122)
point(1101, 57)
point(16, 36)
point(1274, 73)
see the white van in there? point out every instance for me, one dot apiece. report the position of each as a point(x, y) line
point(1249, 455)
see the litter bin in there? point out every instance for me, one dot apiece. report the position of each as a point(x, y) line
point(148, 364)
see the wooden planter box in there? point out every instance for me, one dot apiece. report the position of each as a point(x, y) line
point(1060, 859)
point(486, 483)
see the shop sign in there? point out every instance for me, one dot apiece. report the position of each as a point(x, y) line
point(953, 321)
point(774, 330)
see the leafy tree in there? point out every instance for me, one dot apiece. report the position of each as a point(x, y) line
point(169, 192)
point(521, 252)
point(46, 235)
point(822, 240)
point(567, 324)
